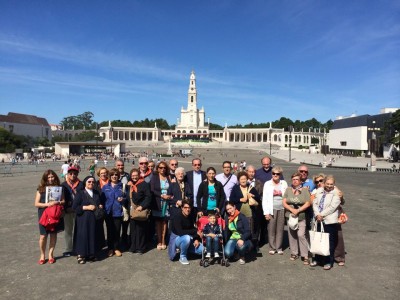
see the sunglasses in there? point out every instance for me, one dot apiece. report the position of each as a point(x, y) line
point(162, 167)
point(120, 165)
point(114, 175)
point(276, 173)
point(303, 171)
point(143, 163)
point(319, 181)
point(173, 164)
point(196, 165)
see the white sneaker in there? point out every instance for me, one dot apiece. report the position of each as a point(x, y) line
point(183, 261)
point(216, 255)
point(242, 261)
point(208, 255)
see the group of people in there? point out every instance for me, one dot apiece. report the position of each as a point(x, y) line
point(242, 211)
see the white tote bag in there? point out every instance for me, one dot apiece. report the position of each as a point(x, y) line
point(319, 241)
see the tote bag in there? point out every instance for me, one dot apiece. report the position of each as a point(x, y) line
point(319, 241)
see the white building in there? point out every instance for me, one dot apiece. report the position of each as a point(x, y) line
point(26, 125)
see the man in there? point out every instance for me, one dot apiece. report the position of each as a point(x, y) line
point(194, 178)
point(71, 186)
point(264, 173)
point(145, 172)
point(184, 235)
point(173, 164)
point(120, 166)
point(227, 179)
point(64, 170)
point(259, 217)
point(306, 182)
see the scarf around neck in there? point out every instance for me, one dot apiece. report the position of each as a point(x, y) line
point(234, 216)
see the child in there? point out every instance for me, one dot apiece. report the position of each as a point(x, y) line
point(212, 232)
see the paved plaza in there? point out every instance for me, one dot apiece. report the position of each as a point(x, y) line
point(371, 237)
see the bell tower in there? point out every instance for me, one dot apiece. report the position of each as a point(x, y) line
point(192, 93)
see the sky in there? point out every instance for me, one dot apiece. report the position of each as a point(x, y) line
point(255, 61)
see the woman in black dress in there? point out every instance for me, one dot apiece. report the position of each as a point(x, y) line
point(140, 196)
point(49, 178)
point(88, 229)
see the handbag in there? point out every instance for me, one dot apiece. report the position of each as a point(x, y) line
point(319, 241)
point(142, 215)
point(98, 213)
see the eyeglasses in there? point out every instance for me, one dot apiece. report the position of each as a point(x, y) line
point(173, 164)
point(162, 167)
point(319, 181)
point(120, 165)
point(143, 163)
point(196, 165)
point(73, 173)
point(114, 175)
point(276, 173)
point(303, 171)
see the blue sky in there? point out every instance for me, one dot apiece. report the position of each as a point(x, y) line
point(255, 61)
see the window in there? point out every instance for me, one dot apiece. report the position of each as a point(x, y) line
point(343, 143)
point(191, 98)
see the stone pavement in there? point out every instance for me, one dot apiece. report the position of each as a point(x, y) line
point(371, 239)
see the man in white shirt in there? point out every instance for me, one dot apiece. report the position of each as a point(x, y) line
point(227, 179)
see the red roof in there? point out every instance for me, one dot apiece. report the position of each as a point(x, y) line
point(23, 119)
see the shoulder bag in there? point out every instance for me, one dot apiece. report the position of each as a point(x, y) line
point(319, 241)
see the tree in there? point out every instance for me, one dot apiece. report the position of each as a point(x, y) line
point(392, 128)
point(81, 121)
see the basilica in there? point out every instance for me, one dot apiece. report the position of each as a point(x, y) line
point(191, 127)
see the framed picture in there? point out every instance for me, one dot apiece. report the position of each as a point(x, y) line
point(53, 193)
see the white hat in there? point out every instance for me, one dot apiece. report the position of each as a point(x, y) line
point(293, 222)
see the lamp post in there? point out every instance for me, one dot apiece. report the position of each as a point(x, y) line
point(290, 142)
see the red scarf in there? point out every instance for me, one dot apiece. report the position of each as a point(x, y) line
point(103, 182)
point(234, 216)
point(73, 185)
point(135, 184)
point(144, 175)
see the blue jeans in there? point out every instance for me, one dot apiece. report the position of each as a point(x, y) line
point(231, 246)
point(185, 245)
point(212, 244)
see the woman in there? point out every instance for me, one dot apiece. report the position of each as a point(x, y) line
point(246, 199)
point(140, 197)
point(102, 173)
point(340, 253)
point(151, 166)
point(113, 197)
point(87, 228)
point(237, 233)
point(296, 200)
point(210, 196)
point(326, 209)
point(274, 211)
point(180, 191)
point(49, 178)
point(160, 200)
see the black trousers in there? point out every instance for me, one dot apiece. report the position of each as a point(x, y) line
point(113, 225)
point(139, 231)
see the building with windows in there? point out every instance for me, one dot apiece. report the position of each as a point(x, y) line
point(27, 125)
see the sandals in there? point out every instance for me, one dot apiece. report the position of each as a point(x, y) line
point(313, 263)
point(293, 257)
point(159, 247)
point(110, 253)
point(163, 247)
point(306, 261)
point(327, 267)
point(52, 261)
point(341, 263)
point(41, 261)
point(81, 260)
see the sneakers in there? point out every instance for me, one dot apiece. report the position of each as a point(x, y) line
point(280, 252)
point(183, 261)
point(208, 255)
point(216, 255)
point(242, 261)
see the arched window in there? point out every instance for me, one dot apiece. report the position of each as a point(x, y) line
point(191, 98)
